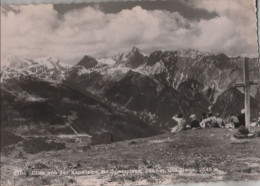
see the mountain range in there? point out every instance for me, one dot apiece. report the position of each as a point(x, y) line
point(152, 83)
point(127, 95)
point(48, 68)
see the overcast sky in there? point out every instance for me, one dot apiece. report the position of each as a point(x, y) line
point(70, 31)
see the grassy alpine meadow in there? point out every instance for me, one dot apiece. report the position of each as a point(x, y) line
point(203, 155)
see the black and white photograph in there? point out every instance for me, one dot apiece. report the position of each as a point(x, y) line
point(145, 92)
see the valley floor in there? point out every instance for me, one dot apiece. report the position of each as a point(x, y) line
point(188, 156)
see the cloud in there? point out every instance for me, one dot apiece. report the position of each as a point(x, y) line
point(38, 30)
point(28, 2)
point(242, 14)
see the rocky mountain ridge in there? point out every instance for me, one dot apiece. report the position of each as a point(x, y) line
point(157, 86)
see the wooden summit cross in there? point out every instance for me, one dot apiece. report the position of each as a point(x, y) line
point(246, 87)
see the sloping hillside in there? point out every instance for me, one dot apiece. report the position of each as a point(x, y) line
point(152, 94)
point(32, 105)
point(232, 102)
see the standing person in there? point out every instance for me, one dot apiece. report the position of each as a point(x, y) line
point(241, 119)
point(181, 123)
point(195, 124)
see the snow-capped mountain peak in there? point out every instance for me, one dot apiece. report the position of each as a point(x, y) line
point(132, 59)
point(49, 68)
point(13, 62)
point(87, 62)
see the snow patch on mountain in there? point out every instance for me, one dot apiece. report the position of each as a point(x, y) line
point(158, 68)
point(107, 61)
point(48, 68)
point(191, 53)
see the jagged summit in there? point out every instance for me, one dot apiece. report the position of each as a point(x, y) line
point(132, 59)
point(135, 49)
point(87, 62)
